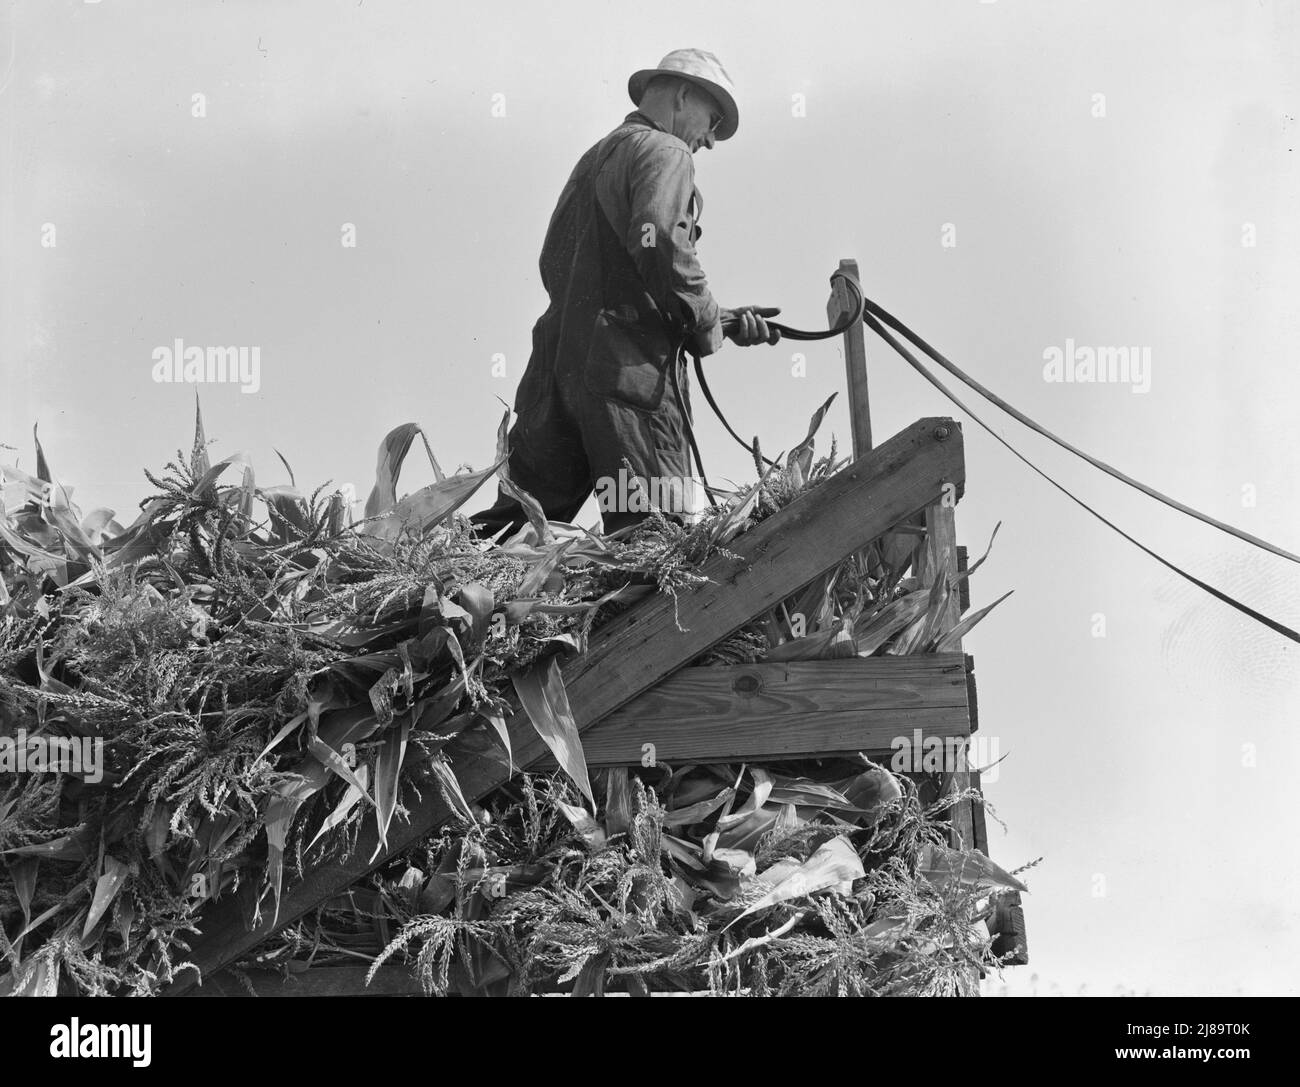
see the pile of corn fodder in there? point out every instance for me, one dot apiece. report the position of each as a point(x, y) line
point(235, 682)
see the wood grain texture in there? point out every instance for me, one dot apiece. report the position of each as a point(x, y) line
point(795, 709)
point(840, 306)
point(979, 822)
point(637, 649)
point(812, 735)
point(940, 561)
point(963, 590)
point(941, 545)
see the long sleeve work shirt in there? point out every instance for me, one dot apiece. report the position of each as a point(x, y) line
point(647, 192)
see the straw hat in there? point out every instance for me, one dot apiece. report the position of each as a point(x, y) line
point(701, 68)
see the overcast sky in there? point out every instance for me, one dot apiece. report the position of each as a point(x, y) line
point(1103, 168)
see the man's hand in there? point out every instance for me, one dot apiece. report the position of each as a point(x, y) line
point(746, 326)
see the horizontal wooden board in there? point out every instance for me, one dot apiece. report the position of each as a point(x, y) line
point(785, 710)
point(814, 735)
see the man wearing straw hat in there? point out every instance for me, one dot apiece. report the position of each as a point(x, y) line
point(605, 387)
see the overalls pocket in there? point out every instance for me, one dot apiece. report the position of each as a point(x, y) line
point(629, 358)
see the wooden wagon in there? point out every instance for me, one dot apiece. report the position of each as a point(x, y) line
point(635, 685)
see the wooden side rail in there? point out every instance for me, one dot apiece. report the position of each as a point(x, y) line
point(800, 709)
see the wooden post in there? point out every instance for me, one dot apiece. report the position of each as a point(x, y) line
point(855, 359)
point(839, 307)
point(940, 561)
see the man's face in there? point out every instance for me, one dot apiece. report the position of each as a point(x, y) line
point(697, 120)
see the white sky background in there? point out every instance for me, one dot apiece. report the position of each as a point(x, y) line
point(1126, 751)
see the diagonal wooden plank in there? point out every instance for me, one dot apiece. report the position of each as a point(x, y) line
point(636, 650)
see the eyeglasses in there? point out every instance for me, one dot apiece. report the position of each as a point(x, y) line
point(715, 118)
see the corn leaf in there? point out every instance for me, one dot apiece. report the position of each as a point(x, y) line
point(618, 801)
point(106, 889)
point(99, 524)
point(835, 865)
point(949, 642)
point(211, 476)
point(336, 762)
point(751, 828)
point(350, 799)
point(66, 847)
point(944, 867)
point(807, 793)
point(939, 593)
point(832, 644)
point(888, 621)
point(972, 567)
point(58, 494)
point(757, 798)
point(532, 508)
point(800, 457)
point(731, 523)
point(542, 695)
point(537, 576)
point(498, 722)
point(388, 768)
point(583, 822)
point(155, 836)
point(478, 601)
point(247, 492)
point(392, 452)
point(451, 789)
point(695, 813)
point(871, 790)
point(277, 818)
point(419, 512)
point(23, 874)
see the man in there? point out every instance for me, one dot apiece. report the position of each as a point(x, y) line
point(606, 382)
